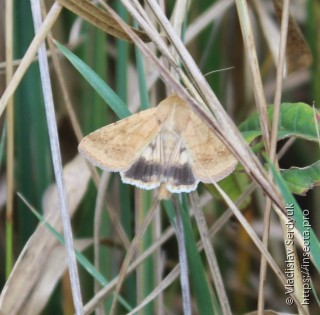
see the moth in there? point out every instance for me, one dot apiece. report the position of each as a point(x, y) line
point(167, 145)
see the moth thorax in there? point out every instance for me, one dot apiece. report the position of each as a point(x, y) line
point(170, 146)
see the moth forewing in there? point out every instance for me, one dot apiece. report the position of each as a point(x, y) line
point(117, 146)
point(211, 159)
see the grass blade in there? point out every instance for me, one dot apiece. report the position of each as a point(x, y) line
point(109, 96)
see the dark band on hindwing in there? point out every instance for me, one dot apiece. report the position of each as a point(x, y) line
point(147, 174)
point(144, 171)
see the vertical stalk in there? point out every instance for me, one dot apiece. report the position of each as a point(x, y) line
point(184, 280)
point(10, 138)
point(56, 158)
point(273, 146)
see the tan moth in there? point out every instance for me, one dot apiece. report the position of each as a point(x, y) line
point(166, 145)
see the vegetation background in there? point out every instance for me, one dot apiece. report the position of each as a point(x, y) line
point(214, 38)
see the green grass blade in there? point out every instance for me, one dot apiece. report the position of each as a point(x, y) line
point(143, 90)
point(82, 260)
point(199, 282)
point(102, 88)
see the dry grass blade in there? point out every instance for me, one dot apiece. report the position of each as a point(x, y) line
point(100, 18)
point(254, 69)
point(259, 244)
point(269, 28)
point(29, 55)
point(56, 265)
point(211, 256)
point(177, 19)
point(173, 275)
point(147, 25)
point(57, 164)
point(65, 94)
point(31, 262)
point(131, 251)
point(215, 11)
point(273, 147)
point(16, 62)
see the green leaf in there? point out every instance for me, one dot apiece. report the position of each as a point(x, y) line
point(300, 180)
point(102, 88)
point(301, 219)
point(296, 120)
